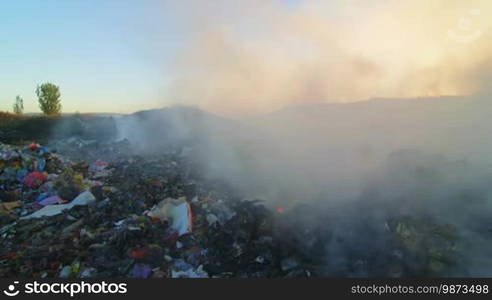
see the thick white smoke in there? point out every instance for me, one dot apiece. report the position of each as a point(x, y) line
point(259, 56)
point(276, 66)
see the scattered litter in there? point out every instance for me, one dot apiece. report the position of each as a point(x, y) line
point(190, 273)
point(141, 271)
point(10, 205)
point(83, 199)
point(50, 200)
point(177, 211)
point(96, 210)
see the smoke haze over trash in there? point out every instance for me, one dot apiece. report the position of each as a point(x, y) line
point(357, 166)
point(364, 127)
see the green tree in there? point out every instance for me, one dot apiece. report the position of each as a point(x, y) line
point(18, 105)
point(49, 99)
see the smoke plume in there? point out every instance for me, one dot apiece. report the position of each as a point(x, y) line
point(358, 166)
point(258, 56)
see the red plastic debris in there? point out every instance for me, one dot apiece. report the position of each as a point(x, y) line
point(280, 209)
point(138, 253)
point(34, 179)
point(33, 146)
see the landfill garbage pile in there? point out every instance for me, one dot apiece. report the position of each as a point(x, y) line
point(94, 209)
point(77, 149)
point(131, 217)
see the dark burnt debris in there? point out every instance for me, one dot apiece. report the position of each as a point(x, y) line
point(80, 209)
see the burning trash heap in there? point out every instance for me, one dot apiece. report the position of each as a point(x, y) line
point(116, 214)
point(132, 217)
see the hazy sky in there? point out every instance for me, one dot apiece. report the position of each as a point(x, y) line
point(239, 56)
